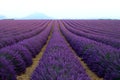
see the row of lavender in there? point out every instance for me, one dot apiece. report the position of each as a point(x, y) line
point(58, 61)
point(78, 30)
point(14, 33)
point(15, 58)
point(16, 27)
point(104, 60)
point(108, 28)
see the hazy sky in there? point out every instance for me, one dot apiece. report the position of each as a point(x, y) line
point(62, 8)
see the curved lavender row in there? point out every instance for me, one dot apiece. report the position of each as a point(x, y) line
point(19, 29)
point(58, 62)
point(94, 30)
point(12, 40)
point(23, 52)
point(6, 70)
point(93, 27)
point(17, 25)
point(19, 54)
point(106, 40)
point(106, 26)
point(36, 43)
point(102, 59)
point(15, 58)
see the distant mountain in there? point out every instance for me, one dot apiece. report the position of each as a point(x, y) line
point(37, 16)
point(2, 17)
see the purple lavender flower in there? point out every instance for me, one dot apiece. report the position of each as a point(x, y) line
point(6, 70)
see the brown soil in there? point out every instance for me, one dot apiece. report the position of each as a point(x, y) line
point(29, 70)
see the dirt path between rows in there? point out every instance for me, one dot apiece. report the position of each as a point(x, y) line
point(91, 74)
point(29, 70)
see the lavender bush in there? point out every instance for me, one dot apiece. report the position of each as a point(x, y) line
point(6, 70)
point(15, 59)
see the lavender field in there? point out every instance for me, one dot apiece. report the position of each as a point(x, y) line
point(59, 50)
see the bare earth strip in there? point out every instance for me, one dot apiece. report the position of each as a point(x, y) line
point(91, 74)
point(29, 70)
